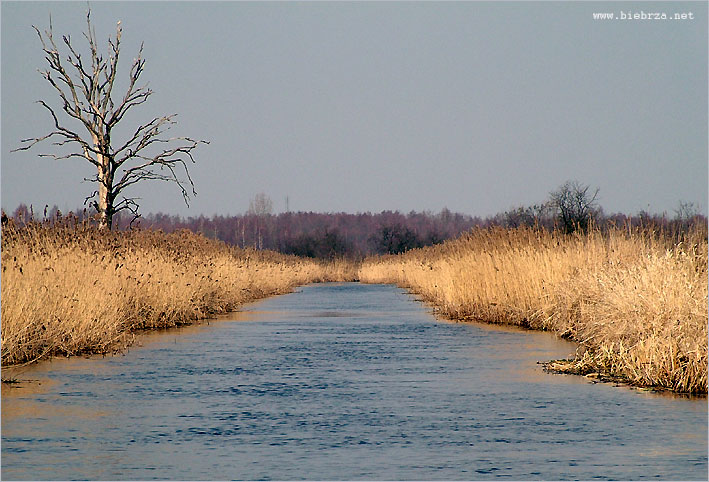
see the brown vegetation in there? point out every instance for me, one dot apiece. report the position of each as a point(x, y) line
point(636, 301)
point(69, 288)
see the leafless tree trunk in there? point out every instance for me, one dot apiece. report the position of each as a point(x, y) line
point(260, 206)
point(86, 92)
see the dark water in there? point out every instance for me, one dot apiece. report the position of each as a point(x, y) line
point(342, 381)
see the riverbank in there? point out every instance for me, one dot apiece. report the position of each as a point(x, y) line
point(636, 302)
point(70, 289)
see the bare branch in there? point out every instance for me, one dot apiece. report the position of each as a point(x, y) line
point(131, 206)
point(107, 85)
point(168, 159)
point(69, 136)
point(143, 132)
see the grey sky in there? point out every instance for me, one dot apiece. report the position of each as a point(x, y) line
point(357, 107)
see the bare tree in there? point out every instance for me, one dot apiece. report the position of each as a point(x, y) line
point(575, 204)
point(538, 215)
point(686, 211)
point(260, 206)
point(85, 87)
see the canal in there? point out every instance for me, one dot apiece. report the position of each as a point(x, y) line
point(341, 381)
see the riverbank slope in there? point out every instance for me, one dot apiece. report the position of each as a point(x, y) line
point(635, 301)
point(70, 288)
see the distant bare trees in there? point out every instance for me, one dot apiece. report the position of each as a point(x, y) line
point(85, 88)
point(576, 205)
point(395, 239)
point(260, 206)
point(538, 215)
point(322, 245)
point(686, 211)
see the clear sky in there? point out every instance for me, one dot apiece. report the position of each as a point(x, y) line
point(355, 107)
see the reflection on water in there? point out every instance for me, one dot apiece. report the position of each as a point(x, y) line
point(341, 381)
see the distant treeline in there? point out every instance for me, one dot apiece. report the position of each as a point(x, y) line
point(332, 235)
point(325, 235)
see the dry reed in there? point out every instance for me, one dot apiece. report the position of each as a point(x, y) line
point(635, 301)
point(70, 289)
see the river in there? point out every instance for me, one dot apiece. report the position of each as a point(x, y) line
point(341, 381)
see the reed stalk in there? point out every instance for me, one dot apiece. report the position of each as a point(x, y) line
point(634, 300)
point(70, 288)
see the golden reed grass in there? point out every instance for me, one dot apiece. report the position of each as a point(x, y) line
point(73, 289)
point(636, 302)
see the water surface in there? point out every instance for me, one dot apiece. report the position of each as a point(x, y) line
point(342, 381)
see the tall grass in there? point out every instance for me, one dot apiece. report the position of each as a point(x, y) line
point(635, 301)
point(70, 288)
